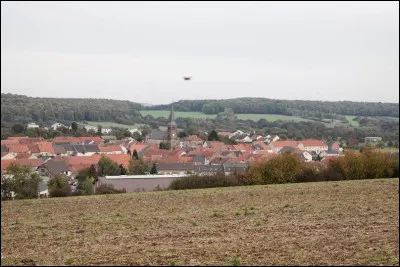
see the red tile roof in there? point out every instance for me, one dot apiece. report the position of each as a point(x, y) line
point(289, 143)
point(18, 148)
point(29, 162)
point(33, 148)
point(312, 142)
point(46, 147)
point(118, 158)
point(69, 139)
point(138, 146)
point(22, 156)
point(193, 138)
point(110, 148)
point(9, 142)
point(215, 144)
point(242, 147)
point(17, 137)
point(82, 162)
point(242, 158)
point(5, 163)
point(335, 146)
point(96, 139)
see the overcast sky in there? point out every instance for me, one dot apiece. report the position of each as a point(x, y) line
point(140, 51)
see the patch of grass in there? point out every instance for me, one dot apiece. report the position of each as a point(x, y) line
point(259, 223)
point(352, 121)
point(112, 124)
point(217, 215)
point(200, 115)
point(235, 262)
point(178, 114)
point(247, 212)
point(269, 117)
point(68, 261)
point(194, 224)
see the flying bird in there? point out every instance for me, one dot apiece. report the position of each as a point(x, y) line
point(187, 78)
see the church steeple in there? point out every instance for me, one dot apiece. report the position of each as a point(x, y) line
point(172, 117)
point(172, 134)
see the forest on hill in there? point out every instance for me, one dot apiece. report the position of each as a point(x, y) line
point(300, 108)
point(24, 109)
point(379, 119)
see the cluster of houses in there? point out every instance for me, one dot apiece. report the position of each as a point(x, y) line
point(58, 125)
point(69, 155)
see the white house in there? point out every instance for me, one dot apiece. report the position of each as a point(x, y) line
point(313, 145)
point(246, 139)
point(106, 130)
point(55, 126)
point(132, 131)
point(32, 125)
point(89, 127)
point(307, 156)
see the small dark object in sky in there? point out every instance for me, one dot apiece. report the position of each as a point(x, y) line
point(187, 78)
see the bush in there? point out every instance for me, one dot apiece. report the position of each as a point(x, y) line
point(206, 181)
point(108, 189)
point(20, 180)
point(282, 169)
point(59, 187)
point(369, 164)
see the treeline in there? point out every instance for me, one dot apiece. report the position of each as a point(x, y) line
point(23, 109)
point(301, 108)
point(288, 168)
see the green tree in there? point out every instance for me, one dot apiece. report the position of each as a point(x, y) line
point(137, 167)
point(213, 136)
point(154, 169)
point(164, 145)
point(108, 167)
point(59, 186)
point(137, 136)
point(182, 134)
point(135, 155)
point(123, 171)
point(17, 128)
point(86, 186)
point(92, 171)
point(21, 180)
point(99, 130)
point(74, 126)
point(282, 169)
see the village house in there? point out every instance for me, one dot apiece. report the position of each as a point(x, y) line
point(110, 149)
point(51, 168)
point(137, 183)
point(312, 145)
point(192, 141)
point(174, 168)
point(32, 125)
point(231, 168)
point(57, 125)
point(373, 139)
point(208, 169)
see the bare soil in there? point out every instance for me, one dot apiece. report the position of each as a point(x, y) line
point(329, 223)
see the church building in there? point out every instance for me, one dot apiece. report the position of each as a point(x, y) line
point(170, 136)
